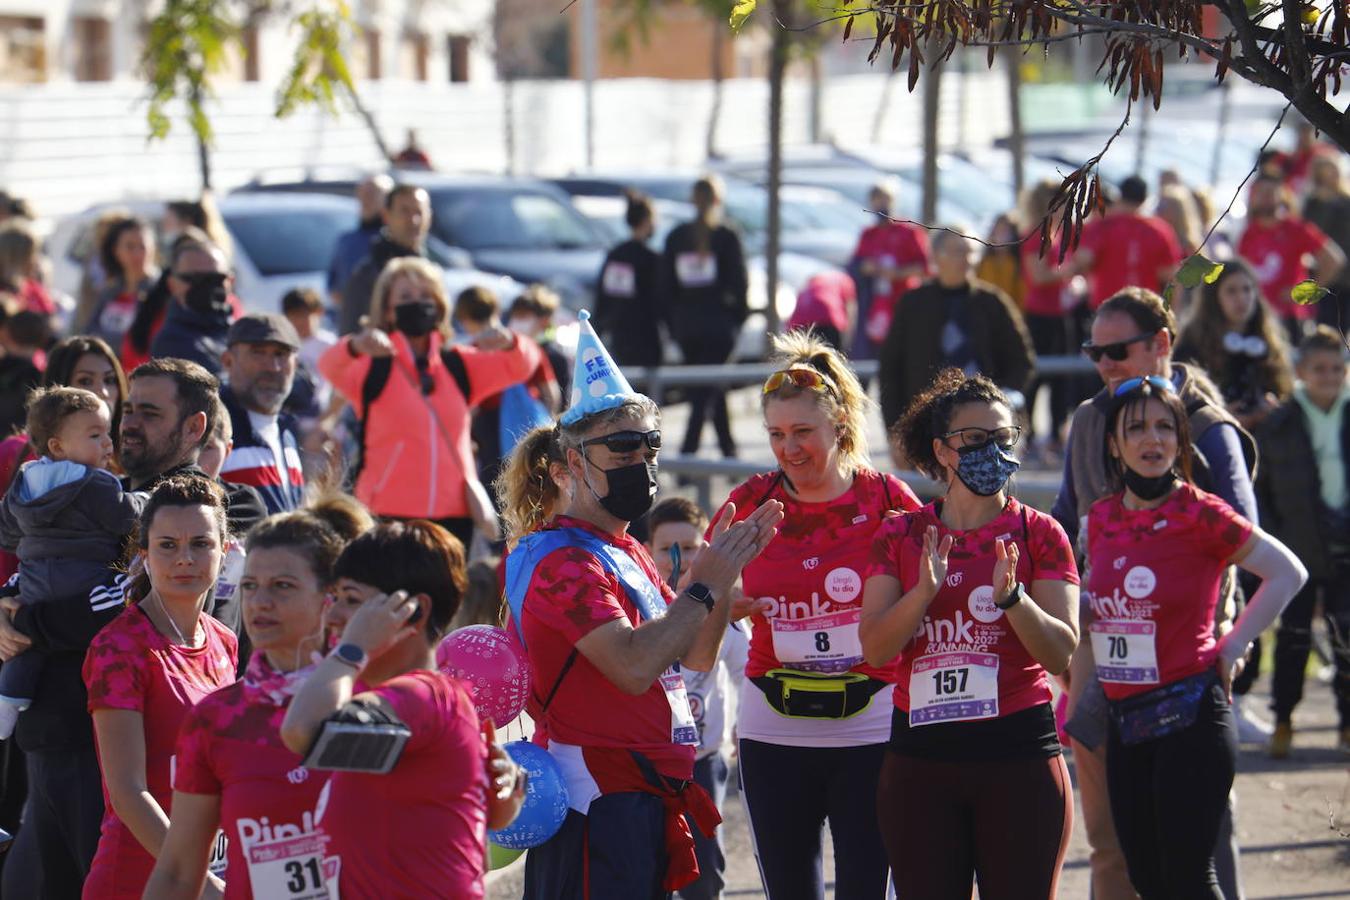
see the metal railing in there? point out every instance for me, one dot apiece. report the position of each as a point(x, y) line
point(657, 378)
point(1037, 489)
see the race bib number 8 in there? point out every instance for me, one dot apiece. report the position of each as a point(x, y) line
point(819, 644)
point(1125, 651)
point(953, 687)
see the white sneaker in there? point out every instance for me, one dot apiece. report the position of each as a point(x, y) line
point(9, 716)
point(1251, 728)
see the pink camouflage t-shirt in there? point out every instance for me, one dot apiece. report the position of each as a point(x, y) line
point(230, 747)
point(131, 666)
point(420, 830)
point(1153, 586)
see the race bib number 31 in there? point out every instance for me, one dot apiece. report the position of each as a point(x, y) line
point(953, 687)
point(1125, 651)
point(293, 869)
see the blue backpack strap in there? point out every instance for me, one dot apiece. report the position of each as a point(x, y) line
point(531, 550)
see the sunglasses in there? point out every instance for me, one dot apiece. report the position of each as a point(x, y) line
point(627, 441)
point(1116, 351)
point(807, 379)
point(1007, 436)
point(1157, 382)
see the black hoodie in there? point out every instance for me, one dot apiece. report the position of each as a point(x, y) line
point(356, 293)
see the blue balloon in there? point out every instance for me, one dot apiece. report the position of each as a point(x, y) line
point(545, 804)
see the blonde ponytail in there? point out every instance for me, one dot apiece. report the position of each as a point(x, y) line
point(846, 404)
point(528, 494)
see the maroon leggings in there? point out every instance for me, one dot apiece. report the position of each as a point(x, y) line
point(1006, 823)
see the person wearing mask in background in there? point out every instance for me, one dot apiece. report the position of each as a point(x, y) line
point(1125, 247)
point(1234, 337)
point(1327, 206)
point(23, 334)
point(1302, 487)
point(127, 253)
point(21, 287)
point(1132, 337)
point(65, 519)
point(675, 528)
point(531, 314)
point(628, 311)
point(1277, 243)
point(230, 767)
point(353, 246)
point(813, 713)
point(416, 830)
point(1159, 550)
point(703, 289)
point(200, 308)
point(145, 671)
point(412, 393)
point(952, 320)
point(1048, 322)
point(407, 219)
point(260, 368)
point(891, 258)
point(607, 637)
point(972, 600)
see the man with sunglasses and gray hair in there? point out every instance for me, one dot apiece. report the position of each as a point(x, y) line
point(1131, 338)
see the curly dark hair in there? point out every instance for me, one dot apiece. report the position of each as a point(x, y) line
point(930, 415)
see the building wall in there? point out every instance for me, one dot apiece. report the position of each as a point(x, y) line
point(101, 40)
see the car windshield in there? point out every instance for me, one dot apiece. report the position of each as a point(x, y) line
point(289, 241)
point(501, 220)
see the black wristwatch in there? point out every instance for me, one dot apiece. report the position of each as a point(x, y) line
point(1014, 598)
point(701, 593)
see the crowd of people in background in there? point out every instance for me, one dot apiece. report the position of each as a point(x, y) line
point(232, 539)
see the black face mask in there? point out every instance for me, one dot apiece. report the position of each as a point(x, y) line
point(632, 490)
point(417, 319)
point(206, 293)
point(1146, 488)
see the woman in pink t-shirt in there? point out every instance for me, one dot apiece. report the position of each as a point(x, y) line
point(408, 578)
point(147, 668)
point(232, 776)
point(977, 594)
point(1158, 551)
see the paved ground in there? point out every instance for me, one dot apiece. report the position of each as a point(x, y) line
point(1293, 815)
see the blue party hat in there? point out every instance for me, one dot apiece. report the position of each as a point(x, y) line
point(597, 383)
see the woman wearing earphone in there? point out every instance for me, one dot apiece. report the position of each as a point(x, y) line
point(814, 716)
point(978, 595)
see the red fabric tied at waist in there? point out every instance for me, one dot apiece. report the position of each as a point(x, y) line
point(618, 771)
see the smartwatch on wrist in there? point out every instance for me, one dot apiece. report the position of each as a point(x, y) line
point(701, 593)
point(1018, 592)
point(350, 655)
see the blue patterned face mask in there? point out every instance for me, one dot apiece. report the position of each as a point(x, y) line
point(986, 468)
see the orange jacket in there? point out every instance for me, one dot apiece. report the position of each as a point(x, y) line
point(415, 461)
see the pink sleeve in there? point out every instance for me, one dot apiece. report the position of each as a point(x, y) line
point(192, 771)
point(572, 594)
point(424, 703)
point(115, 672)
point(493, 371)
point(345, 372)
point(1223, 529)
point(885, 556)
point(1052, 554)
point(903, 497)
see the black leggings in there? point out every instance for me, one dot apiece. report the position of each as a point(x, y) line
point(55, 847)
point(789, 793)
point(708, 349)
point(1293, 643)
point(1005, 823)
point(1167, 799)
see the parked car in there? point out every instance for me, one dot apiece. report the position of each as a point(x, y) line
point(518, 227)
point(282, 241)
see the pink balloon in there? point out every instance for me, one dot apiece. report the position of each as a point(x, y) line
point(493, 666)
